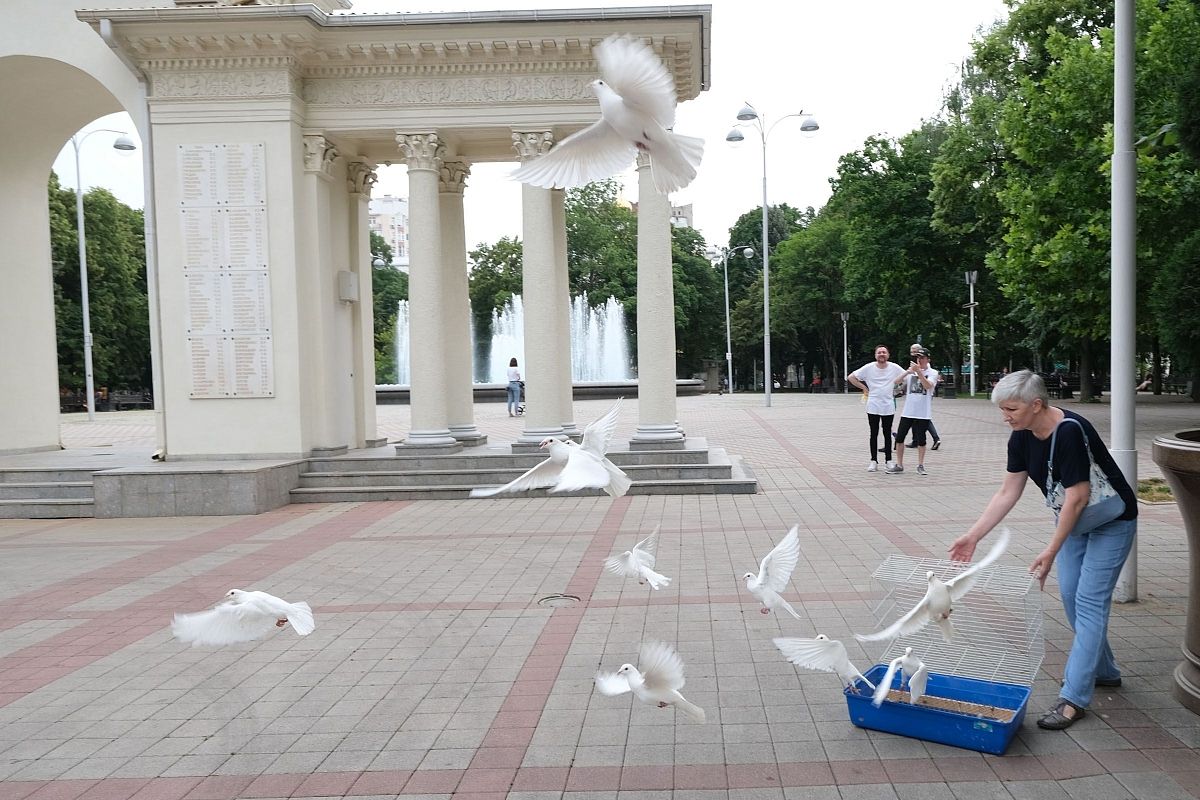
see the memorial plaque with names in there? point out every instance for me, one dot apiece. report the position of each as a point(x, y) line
point(250, 357)
point(205, 293)
point(243, 175)
point(248, 295)
point(203, 238)
point(208, 366)
point(198, 178)
point(245, 238)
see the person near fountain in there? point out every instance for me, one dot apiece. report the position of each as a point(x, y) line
point(514, 387)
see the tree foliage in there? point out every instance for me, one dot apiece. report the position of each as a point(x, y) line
point(389, 286)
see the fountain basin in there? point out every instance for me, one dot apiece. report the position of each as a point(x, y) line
point(395, 394)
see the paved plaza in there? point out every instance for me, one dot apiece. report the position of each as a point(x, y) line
point(434, 671)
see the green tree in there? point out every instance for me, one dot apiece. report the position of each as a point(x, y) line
point(388, 286)
point(601, 244)
point(495, 277)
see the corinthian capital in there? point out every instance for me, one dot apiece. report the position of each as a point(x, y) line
point(319, 154)
point(360, 177)
point(421, 150)
point(531, 144)
point(454, 176)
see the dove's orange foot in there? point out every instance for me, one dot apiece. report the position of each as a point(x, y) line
point(764, 611)
point(279, 623)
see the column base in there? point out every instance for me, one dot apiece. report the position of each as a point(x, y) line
point(335, 450)
point(468, 434)
point(520, 446)
point(439, 441)
point(656, 436)
point(1186, 688)
point(536, 435)
point(373, 443)
point(571, 429)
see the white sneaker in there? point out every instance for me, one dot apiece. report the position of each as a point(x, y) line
point(872, 466)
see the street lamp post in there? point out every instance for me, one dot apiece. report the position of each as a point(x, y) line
point(749, 116)
point(123, 142)
point(845, 315)
point(747, 252)
point(972, 276)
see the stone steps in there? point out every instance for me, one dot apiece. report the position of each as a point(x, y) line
point(694, 469)
point(46, 493)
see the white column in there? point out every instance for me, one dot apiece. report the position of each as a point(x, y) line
point(655, 315)
point(360, 177)
point(456, 305)
point(562, 321)
point(423, 154)
point(544, 345)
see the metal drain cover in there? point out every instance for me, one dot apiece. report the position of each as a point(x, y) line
point(555, 600)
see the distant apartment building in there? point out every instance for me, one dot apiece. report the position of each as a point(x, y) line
point(388, 216)
point(681, 216)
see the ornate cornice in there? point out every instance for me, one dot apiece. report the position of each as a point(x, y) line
point(361, 176)
point(454, 176)
point(319, 154)
point(224, 84)
point(421, 150)
point(530, 144)
point(443, 91)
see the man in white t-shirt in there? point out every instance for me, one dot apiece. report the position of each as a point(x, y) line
point(920, 380)
point(878, 381)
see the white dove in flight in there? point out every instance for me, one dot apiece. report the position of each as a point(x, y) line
point(572, 466)
point(938, 601)
point(657, 678)
point(912, 669)
point(824, 654)
point(242, 617)
point(774, 574)
point(637, 110)
point(639, 563)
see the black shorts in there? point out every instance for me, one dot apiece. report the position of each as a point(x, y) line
point(918, 428)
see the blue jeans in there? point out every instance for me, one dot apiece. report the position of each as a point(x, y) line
point(514, 396)
point(1088, 566)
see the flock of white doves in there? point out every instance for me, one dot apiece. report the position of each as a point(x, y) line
point(244, 616)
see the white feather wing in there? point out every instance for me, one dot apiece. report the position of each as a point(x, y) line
point(623, 565)
point(543, 475)
point(611, 683)
point(776, 568)
point(583, 471)
point(646, 551)
point(961, 583)
point(827, 655)
point(599, 434)
point(592, 154)
point(638, 75)
point(225, 624)
point(885, 684)
point(661, 667)
point(910, 623)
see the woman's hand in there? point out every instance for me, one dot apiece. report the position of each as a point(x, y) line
point(1042, 564)
point(963, 548)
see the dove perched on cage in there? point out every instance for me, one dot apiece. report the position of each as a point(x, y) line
point(657, 678)
point(939, 598)
point(571, 466)
point(637, 110)
point(824, 654)
point(242, 617)
point(774, 573)
point(912, 670)
point(639, 563)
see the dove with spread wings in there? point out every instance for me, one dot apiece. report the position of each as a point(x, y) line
point(939, 598)
point(637, 110)
point(639, 563)
point(824, 654)
point(242, 616)
point(912, 671)
point(774, 574)
point(571, 466)
point(657, 679)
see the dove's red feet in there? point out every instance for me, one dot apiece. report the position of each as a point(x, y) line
point(764, 611)
point(662, 704)
point(279, 623)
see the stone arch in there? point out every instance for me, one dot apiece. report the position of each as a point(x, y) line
point(46, 100)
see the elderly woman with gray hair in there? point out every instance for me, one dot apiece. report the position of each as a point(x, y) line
point(1096, 512)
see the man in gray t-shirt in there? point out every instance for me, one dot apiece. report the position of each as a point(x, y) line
point(920, 380)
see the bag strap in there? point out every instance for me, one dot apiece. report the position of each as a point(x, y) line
point(1050, 459)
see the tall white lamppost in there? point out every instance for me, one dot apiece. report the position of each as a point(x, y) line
point(845, 315)
point(122, 142)
point(972, 276)
point(749, 116)
point(747, 252)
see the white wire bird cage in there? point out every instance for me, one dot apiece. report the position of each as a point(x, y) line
point(998, 634)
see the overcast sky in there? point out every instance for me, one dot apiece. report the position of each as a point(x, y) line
point(862, 67)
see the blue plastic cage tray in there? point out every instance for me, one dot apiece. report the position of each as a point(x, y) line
point(976, 729)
